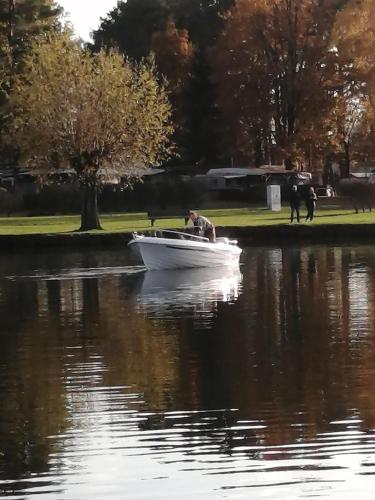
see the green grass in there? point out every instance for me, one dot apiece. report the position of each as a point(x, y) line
point(263, 217)
point(138, 221)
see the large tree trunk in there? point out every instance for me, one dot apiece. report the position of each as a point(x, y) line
point(89, 208)
point(11, 9)
point(258, 153)
point(346, 169)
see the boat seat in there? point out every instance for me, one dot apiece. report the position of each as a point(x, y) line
point(227, 241)
point(222, 240)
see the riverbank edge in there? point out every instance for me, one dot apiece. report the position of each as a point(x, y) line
point(275, 234)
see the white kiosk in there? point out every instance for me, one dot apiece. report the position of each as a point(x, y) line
point(274, 198)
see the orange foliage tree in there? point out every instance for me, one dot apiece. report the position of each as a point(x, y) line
point(354, 38)
point(276, 77)
point(174, 54)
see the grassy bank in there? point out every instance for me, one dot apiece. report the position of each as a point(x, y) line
point(233, 217)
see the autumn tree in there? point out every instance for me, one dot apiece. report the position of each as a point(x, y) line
point(203, 19)
point(21, 23)
point(94, 113)
point(132, 26)
point(354, 39)
point(346, 128)
point(173, 56)
point(273, 68)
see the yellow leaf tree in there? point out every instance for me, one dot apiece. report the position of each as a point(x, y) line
point(97, 114)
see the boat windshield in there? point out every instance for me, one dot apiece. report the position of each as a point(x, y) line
point(164, 233)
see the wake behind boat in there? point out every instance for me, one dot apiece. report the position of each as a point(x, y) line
point(178, 250)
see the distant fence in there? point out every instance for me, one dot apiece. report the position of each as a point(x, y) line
point(55, 199)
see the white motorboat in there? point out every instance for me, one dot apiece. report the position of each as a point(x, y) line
point(178, 250)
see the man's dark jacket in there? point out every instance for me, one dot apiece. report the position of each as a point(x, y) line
point(295, 199)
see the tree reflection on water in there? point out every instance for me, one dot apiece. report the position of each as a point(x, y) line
point(268, 355)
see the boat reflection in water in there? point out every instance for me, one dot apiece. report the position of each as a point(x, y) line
point(194, 291)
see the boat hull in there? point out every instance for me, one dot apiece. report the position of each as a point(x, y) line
point(164, 253)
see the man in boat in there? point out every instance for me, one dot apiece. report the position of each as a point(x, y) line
point(203, 226)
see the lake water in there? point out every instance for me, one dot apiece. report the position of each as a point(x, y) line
point(205, 384)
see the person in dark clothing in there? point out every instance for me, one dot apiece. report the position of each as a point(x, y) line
point(310, 204)
point(295, 202)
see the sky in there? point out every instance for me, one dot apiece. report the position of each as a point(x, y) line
point(85, 14)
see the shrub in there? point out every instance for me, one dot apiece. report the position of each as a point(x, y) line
point(361, 193)
point(10, 202)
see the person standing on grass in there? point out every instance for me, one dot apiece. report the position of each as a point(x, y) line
point(310, 204)
point(295, 202)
